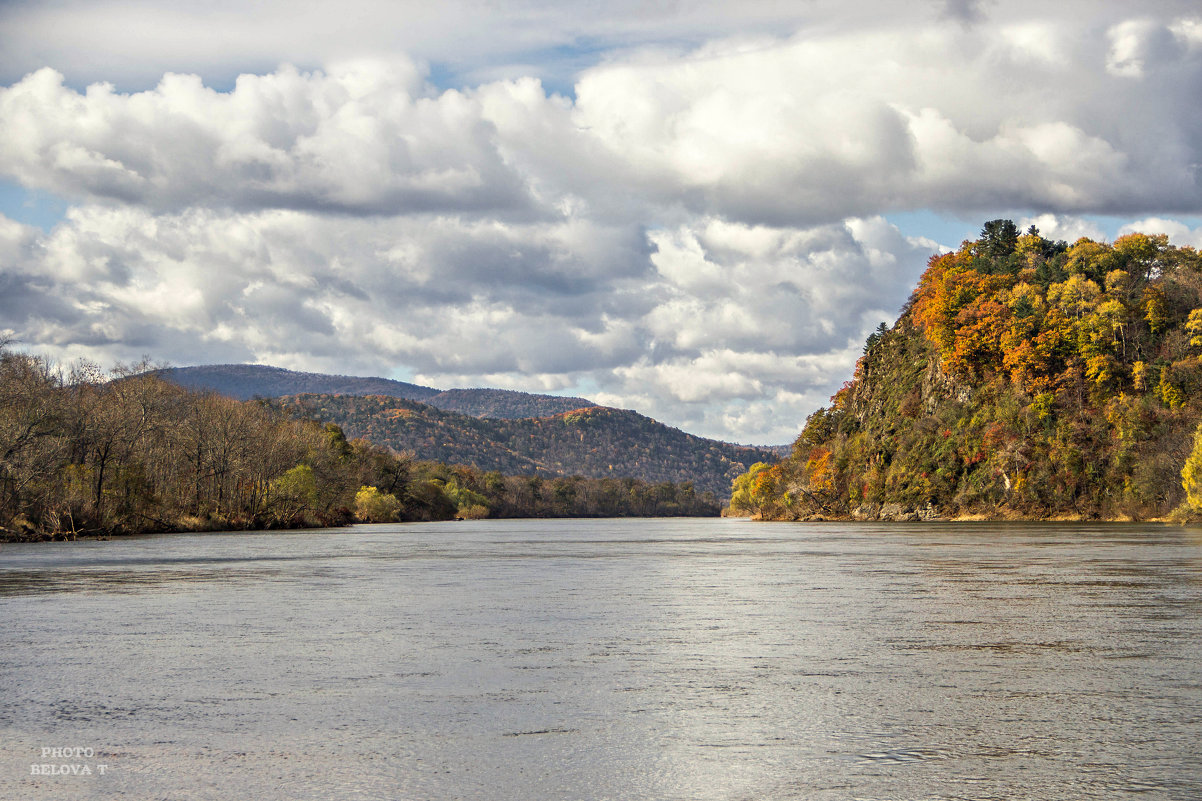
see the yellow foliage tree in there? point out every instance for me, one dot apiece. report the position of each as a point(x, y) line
point(1088, 258)
point(754, 490)
point(1169, 392)
point(1191, 474)
point(1076, 296)
point(1141, 252)
point(373, 506)
point(1156, 309)
point(296, 491)
point(1193, 327)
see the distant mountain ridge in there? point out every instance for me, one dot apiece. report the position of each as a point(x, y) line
point(594, 442)
point(247, 381)
point(504, 404)
point(516, 433)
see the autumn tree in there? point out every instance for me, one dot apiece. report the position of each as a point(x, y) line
point(1191, 473)
point(373, 506)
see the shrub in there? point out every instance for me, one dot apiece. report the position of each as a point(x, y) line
point(373, 506)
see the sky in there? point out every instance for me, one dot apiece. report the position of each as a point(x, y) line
point(698, 210)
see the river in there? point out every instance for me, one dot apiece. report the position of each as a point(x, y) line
point(607, 659)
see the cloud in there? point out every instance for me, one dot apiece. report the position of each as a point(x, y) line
point(796, 131)
point(1179, 233)
point(435, 293)
point(1064, 227)
point(1140, 45)
point(967, 12)
point(720, 281)
point(1070, 228)
point(133, 42)
point(363, 138)
point(752, 317)
point(815, 128)
point(691, 323)
point(697, 230)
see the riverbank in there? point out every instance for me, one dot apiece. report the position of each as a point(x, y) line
point(29, 533)
point(21, 530)
point(895, 513)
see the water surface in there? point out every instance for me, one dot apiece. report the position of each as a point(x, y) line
point(644, 659)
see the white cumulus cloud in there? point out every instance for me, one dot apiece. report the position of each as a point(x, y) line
point(677, 207)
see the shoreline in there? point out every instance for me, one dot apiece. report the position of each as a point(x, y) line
point(975, 517)
point(34, 536)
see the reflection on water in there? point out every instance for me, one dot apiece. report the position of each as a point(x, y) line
point(691, 659)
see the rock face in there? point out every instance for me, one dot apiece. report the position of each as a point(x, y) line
point(938, 386)
point(894, 513)
point(929, 513)
point(866, 511)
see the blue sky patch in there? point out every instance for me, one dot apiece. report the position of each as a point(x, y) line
point(31, 206)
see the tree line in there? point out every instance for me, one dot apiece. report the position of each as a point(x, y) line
point(85, 453)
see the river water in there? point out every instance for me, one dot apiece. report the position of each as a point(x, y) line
point(607, 659)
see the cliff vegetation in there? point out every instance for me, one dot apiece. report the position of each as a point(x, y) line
point(1025, 378)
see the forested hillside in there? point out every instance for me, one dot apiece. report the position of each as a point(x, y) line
point(1025, 378)
point(248, 381)
point(83, 454)
point(503, 404)
point(593, 442)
